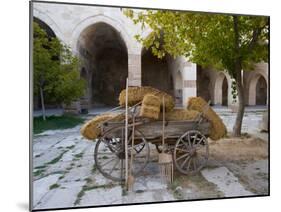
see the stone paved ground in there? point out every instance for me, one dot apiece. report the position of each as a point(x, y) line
point(65, 175)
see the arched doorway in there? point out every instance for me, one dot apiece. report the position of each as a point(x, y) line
point(261, 91)
point(155, 72)
point(224, 92)
point(104, 52)
point(203, 83)
point(257, 94)
point(221, 89)
point(45, 27)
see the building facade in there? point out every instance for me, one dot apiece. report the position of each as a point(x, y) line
point(103, 38)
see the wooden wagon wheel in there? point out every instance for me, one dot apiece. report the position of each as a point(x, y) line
point(110, 153)
point(191, 152)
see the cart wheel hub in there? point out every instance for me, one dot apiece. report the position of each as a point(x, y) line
point(193, 152)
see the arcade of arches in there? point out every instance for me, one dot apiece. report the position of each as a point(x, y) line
point(104, 55)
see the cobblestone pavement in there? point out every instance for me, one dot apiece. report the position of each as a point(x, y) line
point(65, 174)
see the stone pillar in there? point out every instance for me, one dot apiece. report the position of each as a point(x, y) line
point(189, 82)
point(134, 69)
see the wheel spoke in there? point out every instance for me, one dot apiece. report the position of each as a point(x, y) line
point(194, 164)
point(108, 162)
point(182, 150)
point(184, 155)
point(188, 138)
point(188, 164)
point(106, 153)
point(198, 144)
point(194, 139)
point(117, 162)
point(187, 158)
point(185, 144)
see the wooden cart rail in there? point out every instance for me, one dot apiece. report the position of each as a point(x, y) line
point(152, 129)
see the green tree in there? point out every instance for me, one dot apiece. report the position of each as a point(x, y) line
point(56, 76)
point(225, 42)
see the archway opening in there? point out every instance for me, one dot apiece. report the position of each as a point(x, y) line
point(104, 53)
point(155, 72)
point(203, 83)
point(45, 27)
point(224, 92)
point(261, 91)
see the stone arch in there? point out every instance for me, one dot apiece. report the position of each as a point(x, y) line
point(89, 21)
point(222, 89)
point(49, 21)
point(254, 86)
point(104, 52)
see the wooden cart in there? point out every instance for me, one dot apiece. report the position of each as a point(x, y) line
point(186, 140)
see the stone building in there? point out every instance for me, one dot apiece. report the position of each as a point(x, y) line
point(103, 38)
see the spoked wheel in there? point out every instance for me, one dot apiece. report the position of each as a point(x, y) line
point(191, 152)
point(110, 153)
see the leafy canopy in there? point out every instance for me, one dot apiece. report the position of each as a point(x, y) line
point(55, 69)
point(205, 39)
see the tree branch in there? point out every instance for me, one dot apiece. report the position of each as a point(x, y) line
point(256, 34)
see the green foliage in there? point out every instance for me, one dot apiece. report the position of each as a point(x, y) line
point(234, 91)
point(53, 186)
point(205, 39)
point(55, 122)
point(55, 69)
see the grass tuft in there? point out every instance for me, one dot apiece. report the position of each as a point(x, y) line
point(55, 122)
point(54, 186)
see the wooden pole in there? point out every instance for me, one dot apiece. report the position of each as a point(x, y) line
point(163, 124)
point(126, 135)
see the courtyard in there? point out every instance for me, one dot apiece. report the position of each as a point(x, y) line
point(65, 174)
point(104, 55)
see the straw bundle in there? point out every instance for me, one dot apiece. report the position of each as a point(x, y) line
point(181, 115)
point(150, 107)
point(218, 129)
point(91, 129)
point(136, 95)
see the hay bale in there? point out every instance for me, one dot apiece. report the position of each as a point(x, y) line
point(218, 129)
point(91, 129)
point(150, 107)
point(180, 115)
point(136, 95)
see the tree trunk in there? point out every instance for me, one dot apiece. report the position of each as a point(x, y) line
point(238, 78)
point(241, 107)
point(42, 103)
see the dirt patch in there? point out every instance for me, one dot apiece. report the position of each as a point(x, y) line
point(193, 187)
point(237, 149)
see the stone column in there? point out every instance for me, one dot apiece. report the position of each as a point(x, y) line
point(189, 82)
point(134, 69)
